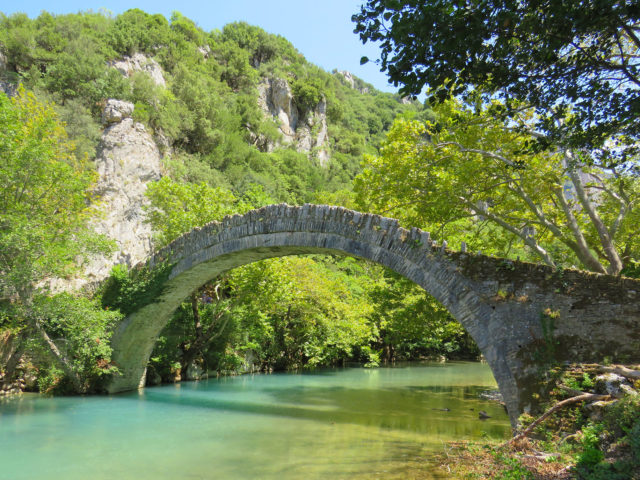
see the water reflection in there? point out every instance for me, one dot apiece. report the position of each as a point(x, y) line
point(351, 423)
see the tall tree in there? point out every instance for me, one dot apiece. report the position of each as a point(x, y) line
point(577, 63)
point(467, 168)
point(43, 211)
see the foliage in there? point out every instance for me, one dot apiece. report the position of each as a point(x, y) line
point(299, 313)
point(576, 63)
point(83, 329)
point(225, 157)
point(622, 425)
point(514, 470)
point(411, 324)
point(307, 93)
point(178, 207)
point(465, 170)
point(129, 290)
point(136, 31)
point(43, 197)
point(208, 112)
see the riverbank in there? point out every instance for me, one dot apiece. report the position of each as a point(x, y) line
point(590, 431)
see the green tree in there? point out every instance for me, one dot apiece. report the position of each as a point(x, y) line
point(82, 330)
point(467, 169)
point(411, 324)
point(177, 208)
point(43, 212)
point(575, 62)
point(136, 31)
point(295, 312)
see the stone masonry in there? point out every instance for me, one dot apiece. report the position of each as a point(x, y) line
point(524, 317)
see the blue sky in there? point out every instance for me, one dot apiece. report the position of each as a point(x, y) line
point(321, 29)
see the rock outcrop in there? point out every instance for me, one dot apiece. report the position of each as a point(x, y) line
point(352, 82)
point(5, 86)
point(116, 110)
point(128, 159)
point(140, 63)
point(205, 51)
point(348, 77)
point(307, 130)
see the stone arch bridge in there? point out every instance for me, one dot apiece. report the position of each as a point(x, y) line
point(522, 316)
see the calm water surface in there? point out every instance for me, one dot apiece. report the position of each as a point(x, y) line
point(350, 423)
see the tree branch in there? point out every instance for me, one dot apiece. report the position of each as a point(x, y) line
point(615, 264)
point(528, 240)
point(582, 397)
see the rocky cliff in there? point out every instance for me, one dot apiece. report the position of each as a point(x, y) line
point(140, 63)
point(352, 82)
point(5, 86)
point(307, 130)
point(128, 159)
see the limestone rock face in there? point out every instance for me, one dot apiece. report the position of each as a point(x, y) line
point(276, 99)
point(128, 159)
point(140, 63)
point(306, 129)
point(205, 51)
point(351, 81)
point(6, 87)
point(348, 77)
point(116, 110)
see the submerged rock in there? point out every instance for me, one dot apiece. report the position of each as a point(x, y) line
point(492, 395)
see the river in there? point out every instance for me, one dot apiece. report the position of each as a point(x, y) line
point(351, 423)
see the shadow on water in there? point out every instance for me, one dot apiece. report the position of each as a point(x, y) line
point(449, 410)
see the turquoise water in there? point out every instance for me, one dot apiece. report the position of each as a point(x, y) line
point(346, 423)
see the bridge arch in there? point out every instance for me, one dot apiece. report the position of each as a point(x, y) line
point(503, 328)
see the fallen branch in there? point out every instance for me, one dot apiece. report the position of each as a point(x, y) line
point(583, 397)
point(622, 371)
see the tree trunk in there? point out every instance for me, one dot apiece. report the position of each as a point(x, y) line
point(196, 314)
point(202, 337)
point(580, 248)
point(13, 361)
point(60, 358)
point(615, 263)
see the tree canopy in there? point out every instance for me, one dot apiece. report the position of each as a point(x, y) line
point(43, 197)
point(577, 63)
point(465, 171)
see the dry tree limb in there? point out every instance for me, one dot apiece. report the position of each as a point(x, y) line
point(622, 371)
point(583, 397)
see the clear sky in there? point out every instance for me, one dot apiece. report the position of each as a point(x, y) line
point(321, 29)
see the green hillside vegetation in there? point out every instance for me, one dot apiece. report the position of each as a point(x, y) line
point(208, 112)
point(218, 156)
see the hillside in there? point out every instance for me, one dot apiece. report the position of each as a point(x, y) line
point(231, 108)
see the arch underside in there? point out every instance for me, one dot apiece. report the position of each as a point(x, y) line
point(135, 338)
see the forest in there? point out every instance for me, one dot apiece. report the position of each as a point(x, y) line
point(510, 172)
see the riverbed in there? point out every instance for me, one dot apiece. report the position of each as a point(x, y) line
point(351, 423)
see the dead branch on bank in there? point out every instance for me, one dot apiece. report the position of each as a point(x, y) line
point(582, 397)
